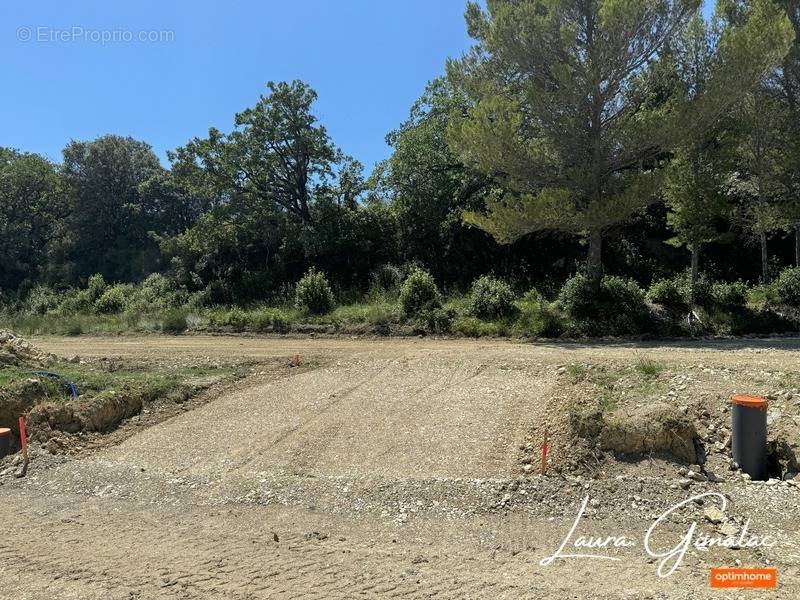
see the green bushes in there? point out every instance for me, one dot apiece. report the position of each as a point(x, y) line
point(729, 294)
point(787, 287)
point(156, 293)
point(313, 293)
point(41, 300)
point(114, 299)
point(174, 322)
point(615, 306)
point(666, 292)
point(386, 278)
point(491, 298)
point(419, 293)
point(676, 292)
point(537, 317)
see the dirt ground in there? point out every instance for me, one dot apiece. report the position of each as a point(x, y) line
point(391, 468)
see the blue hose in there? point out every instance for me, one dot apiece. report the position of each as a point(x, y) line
point(72, 388)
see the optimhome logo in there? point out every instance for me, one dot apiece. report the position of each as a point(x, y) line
point(728, 577)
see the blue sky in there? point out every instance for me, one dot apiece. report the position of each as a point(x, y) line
point(367, 59)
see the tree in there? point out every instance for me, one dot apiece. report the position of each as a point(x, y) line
point(280, 197)
point(788, 83)
point(558, 117)
point(109, 223)
point(756, 183)
point(277, 154)
point(430, 187)
point(32, 203)
point(694, 194)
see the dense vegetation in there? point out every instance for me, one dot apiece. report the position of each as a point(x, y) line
point(589, 168)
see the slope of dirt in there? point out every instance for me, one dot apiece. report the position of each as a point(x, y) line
point(394, 469)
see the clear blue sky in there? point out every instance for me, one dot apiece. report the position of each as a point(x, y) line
point(367, 59)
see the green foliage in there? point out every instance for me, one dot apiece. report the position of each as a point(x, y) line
point(33, 203)
point(537, 317)
point(386, 278)
point(41, 300)
point(156, 293)
point(419, 293)
point(438, 319)
point(615, 306)
point(491, 298)
point(676, 291)
point(314, 293)
point(787, 287)
point(174, 322)
point(110, 220)
point(666, 292)
point(729, 294)
point(114, 299)
point(473, 327)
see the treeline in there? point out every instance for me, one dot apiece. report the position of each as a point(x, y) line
point(622, 138)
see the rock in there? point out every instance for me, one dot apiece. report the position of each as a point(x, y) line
point(714, 515)
point(696, 476)
point(728, 529)
point(685, 483)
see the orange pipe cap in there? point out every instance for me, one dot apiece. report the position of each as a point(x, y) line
point(750, 401)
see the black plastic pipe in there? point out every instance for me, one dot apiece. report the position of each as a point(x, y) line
point(749, 434)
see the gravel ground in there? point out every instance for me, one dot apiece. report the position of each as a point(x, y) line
point(389, 468)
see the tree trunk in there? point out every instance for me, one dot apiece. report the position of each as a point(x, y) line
point(695, 270)
point(764, 258)
point(797, 244)
point(594, 260)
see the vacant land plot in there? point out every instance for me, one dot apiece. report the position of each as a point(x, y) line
point(407, 468)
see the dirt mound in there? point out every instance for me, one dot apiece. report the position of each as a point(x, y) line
point(16, 351)
point(654, 428)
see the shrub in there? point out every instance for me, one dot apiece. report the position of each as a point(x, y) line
point(156, 293)
point(537, 318)
point(438, 319)
point(386, 277)
point(676, 292)
point(666, 292)
point(729, 294)
point(95, 287)
point(41, 300)
point(174, 322)
point(787, 287)
point(614, 307)
point(472, 327)
point(703, 295)
point(419, 292)
point(313, 293)
point(113, 299)
point(76, 301)
point(235, 318)
point(491, 298)
point(280, 322)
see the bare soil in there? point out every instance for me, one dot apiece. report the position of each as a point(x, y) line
point(400, 468)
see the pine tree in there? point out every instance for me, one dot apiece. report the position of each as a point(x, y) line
point(559, 115)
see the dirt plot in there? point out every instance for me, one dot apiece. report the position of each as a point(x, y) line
point(403, 468)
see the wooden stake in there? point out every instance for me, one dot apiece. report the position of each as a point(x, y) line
point(23, 440)
point(544, 454)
